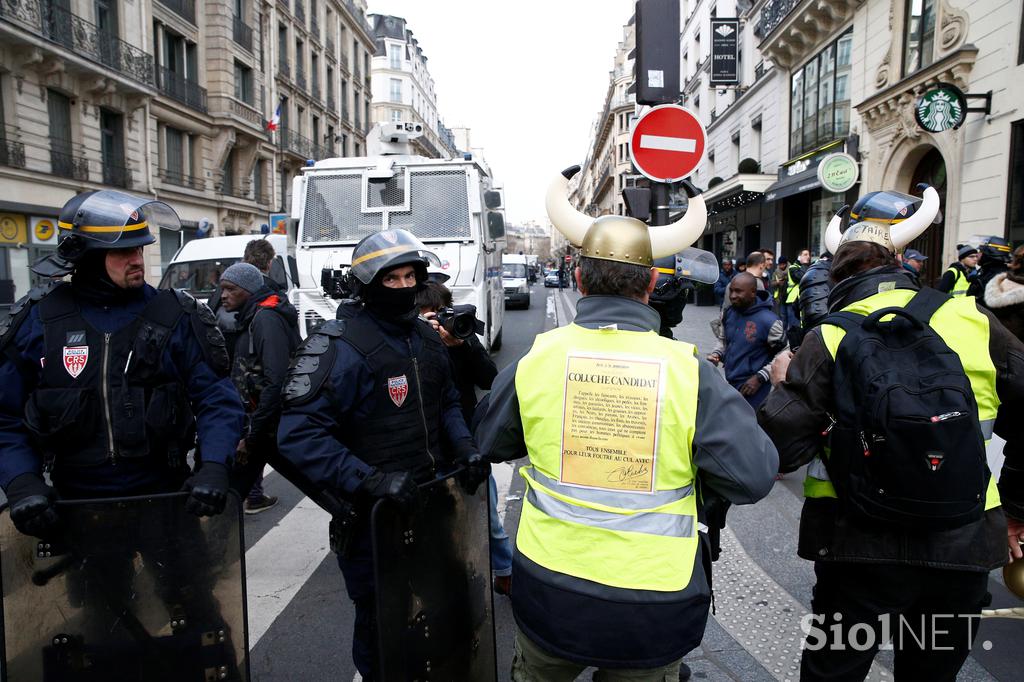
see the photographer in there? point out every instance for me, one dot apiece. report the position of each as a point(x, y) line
point(472, 368)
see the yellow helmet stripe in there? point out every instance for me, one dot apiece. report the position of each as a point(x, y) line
point(105, 228)
point(381, 252)
point(666, 271)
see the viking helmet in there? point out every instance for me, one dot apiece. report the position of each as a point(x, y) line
point(620, 238)
point(889, 219)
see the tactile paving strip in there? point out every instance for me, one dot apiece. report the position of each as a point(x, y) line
point(761, 616)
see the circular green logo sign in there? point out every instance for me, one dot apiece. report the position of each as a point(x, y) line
point(941, 108)
point(838, 172)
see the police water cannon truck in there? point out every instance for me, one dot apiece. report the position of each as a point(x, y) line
point(451, 205)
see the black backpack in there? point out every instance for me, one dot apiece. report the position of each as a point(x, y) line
point(907, 447)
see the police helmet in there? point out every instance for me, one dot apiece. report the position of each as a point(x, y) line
point(387, 249)
point(108, 219)
point(995, 248)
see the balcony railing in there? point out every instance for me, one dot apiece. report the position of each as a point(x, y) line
point(772, 14)
point(291, 141)
point(238, 192)
point(758, 71)
point(77, 35)
point(178, 178)
point(67, 165)
point(242, 33)
point(246, 112)
point(177, 87)
point(183, 8)
point(12, 153)
point(117, 175)
point(299, 10)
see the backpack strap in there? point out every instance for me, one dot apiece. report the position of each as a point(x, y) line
point(845, 320)
point(926, 303)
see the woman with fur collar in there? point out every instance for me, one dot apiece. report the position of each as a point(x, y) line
point(1004, 295)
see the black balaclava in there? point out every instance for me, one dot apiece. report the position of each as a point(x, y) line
point(91, 281)
point(394, 305)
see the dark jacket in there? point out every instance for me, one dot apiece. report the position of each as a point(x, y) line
point(752, 337)
point(268, 335)
point(723, 281)
point(592, 623)
point(472, 368)
point(796, 414)
point(312, 430)
point(1004, 296)
point(213, 399)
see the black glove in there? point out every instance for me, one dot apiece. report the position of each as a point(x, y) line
point(397, 486)
point(209, 490)
point(475, 471)
point(32, 505)
point(716, 508)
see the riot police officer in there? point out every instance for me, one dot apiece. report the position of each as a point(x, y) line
point(371, 409)
point(107, 381)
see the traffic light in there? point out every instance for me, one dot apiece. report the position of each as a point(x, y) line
point(657, 51)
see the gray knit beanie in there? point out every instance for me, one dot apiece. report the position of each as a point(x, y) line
point(246, 276)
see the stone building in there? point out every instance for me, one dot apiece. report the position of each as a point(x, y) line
point(403, 89)
point(170, 99)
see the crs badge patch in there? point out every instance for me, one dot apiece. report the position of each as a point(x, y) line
point(398, 389)
point(75, 359)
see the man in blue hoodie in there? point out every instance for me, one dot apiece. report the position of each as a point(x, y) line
point(749, 337)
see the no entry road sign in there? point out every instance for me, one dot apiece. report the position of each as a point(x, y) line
point(667, 143)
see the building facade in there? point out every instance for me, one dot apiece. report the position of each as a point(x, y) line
point(403, 89)
point(170, 100)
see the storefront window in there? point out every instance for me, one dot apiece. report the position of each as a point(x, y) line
point(820, 98)
point(822, 211)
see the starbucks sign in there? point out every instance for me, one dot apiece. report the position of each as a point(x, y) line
point(838, 172)
point(940, 108)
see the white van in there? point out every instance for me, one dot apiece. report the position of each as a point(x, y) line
point(515, 279)
point(198, 265)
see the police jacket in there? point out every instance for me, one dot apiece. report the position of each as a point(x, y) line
point(364, 394)
point(795, 415)
point(959, 281)
point(268, 334)
point(112, 390)
point(585, 590)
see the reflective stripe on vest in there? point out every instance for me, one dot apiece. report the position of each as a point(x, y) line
point(961, 284)
point(632, 540)
point(965, 330)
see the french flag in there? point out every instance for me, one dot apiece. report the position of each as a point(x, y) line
point(276, 120)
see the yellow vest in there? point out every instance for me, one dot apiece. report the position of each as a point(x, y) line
point(961, 284)
point(610, 496)
point(793, 295)
point(965, 330)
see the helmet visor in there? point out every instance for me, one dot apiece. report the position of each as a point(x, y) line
point(387, 249)
point(107, 216)
point(886, 207)
point(697, 265)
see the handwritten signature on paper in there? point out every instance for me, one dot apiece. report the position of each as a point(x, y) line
point(627, 473)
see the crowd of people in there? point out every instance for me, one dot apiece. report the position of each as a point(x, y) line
point(885, 390)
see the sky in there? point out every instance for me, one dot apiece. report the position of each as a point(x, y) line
point(528, 78)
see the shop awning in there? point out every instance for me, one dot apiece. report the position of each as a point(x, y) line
point(801, 182)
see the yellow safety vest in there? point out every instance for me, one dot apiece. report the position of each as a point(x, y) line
point(965, 330)
point(793, 295)
point(578, 516)
point(961, 284)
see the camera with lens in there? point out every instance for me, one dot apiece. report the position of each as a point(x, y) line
point(460, 321)
point(335, 284)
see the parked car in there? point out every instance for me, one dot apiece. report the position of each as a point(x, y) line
point(551, 279)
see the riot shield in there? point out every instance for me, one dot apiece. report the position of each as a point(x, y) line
point(435, 616)
point(128, 589)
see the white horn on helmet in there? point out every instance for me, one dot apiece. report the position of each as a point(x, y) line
point(563, 216)
point(904, 232)
point(834, 233)
point(674, 237)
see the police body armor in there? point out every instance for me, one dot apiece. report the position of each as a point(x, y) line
point(107, 396)
point(402, 432)
point(127, 590)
